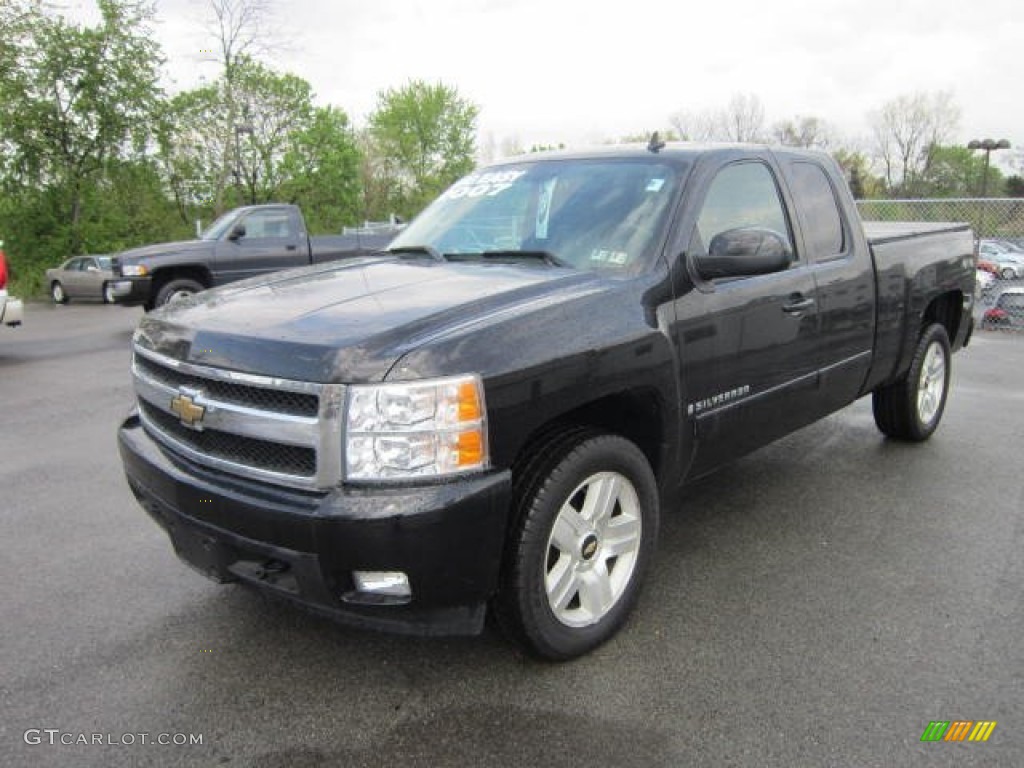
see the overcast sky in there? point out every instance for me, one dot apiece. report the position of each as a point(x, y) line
point(581, 71)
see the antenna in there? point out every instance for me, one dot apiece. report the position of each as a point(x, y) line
point(655, 144)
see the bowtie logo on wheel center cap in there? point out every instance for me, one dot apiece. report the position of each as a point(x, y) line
point(589, 547)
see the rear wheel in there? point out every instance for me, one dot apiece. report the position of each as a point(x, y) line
point(586, 522)
point(911, 408)
point(176, 289)
point(57, 293)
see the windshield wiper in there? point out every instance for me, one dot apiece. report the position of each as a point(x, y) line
point(417, 250)
point(511, 255)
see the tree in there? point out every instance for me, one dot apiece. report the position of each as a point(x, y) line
point(856, 166)
point(695, 126)
point(274, 107)
point(321, 172)
point(426, 137)
point(74, 99)
point(238, 31)
point(220, 150)
point(906, 131)
point(956, 171)
point(806, 132)
point(743, 119)
point(192, 152)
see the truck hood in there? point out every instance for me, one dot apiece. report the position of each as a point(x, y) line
point(351, 322)
point(134, 255)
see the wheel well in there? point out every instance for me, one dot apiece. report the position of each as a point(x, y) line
point(635, 415)
point(947, 310)
point(191, 272)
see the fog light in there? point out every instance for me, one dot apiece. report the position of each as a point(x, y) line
point(383, 583)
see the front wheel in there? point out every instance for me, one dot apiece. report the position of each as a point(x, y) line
point(177, 289)
point(586, 522)
point(57, 293)
point(911, 408)
point(108, 293)
point(1008, 274)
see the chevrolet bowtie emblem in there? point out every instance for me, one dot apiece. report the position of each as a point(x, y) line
point(184, 407)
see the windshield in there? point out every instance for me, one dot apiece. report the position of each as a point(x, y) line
point(603, 214)
point(216, 230)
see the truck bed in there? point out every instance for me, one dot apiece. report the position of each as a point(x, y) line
point(878, 232)
point(914, 261)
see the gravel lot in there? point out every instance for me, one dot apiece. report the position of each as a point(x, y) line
point(817, 603)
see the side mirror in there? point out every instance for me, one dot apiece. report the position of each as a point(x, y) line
point(745, 252)
point(237, 232)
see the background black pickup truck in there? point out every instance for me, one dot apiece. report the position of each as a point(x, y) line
point(494, 414)
point(245, 242)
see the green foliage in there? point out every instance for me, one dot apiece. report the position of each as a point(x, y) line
point(321, 172)
point(425, 138)
point(224, 144)
point(94, 159)
point(75, 101)
point(1015, 186)
point(274, 108)
point(857, 169)
point(906, 131)
point(954, 171)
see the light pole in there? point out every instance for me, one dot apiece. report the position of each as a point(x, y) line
point(987, 145)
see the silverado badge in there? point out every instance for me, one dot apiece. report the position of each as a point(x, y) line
point(183, 406)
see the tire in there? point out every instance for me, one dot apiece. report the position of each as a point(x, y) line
point(177, 288)
point(1008, 274)
point(57, 293)
point(585, 522)
point(911, 408)
point(108, 293)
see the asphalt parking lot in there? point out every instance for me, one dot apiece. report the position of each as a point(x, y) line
point(818, 603)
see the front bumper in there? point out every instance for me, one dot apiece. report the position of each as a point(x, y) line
point(11, 310)
point(132, 291)
point(448, 538)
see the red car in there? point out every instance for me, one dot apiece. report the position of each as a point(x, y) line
point(988, 266)
point(1007, 312)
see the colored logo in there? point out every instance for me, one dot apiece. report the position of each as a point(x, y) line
point(958, 730)
point(185, 408)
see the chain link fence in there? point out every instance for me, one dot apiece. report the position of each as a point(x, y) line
point(999, 225)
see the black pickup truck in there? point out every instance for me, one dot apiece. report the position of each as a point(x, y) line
point(245, 242)
point(493, 414)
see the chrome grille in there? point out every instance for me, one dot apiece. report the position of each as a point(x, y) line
point(276, 430)
point(296, 403)
point(248, 451)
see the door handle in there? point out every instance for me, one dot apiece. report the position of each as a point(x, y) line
point(797, 305)
point(290, 247)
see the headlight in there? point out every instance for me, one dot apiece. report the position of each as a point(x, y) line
point(134, 270)
point(429, 428)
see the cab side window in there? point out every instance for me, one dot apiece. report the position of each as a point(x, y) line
point(741, 195)
point(264, 224)
point(819, 212)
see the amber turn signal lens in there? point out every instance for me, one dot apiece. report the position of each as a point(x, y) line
point(470, 448)
point(469, 402)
